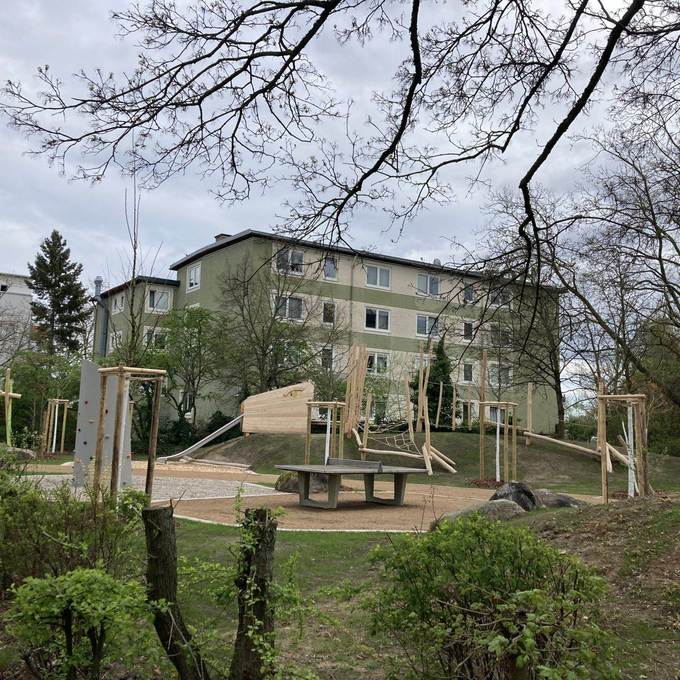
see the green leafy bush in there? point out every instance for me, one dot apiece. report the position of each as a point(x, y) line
point(80, 624)
point(476, 599)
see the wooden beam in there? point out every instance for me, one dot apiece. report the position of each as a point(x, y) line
point(454, 404)
point(367, 420)
point(308, 434)
point(409, 409)
point(153, 438)
point(118, 431)
point(99, 447)
point(514, 443)
point(63, 428)
point(530, 412)
point(602, 440)
point(419, 405)
point(439, 403)
point(506, 442)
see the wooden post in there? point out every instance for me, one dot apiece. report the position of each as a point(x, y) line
point(419, 406)
point(333, 413)
point(367, 420)
point(506, 442)
point(426, 380)
point(409, 408)
point(8, 406)
point(118, 431)
point(530, 412)
point(454, 403)
point(341, 430)
point(153, 438)
point(481, 441)
point(48, 428)
point(482, 414)
point(308, 434)
point(99, 448)
point(602, 439)
point(514, 443)
point(427, 445)
point(439, 403)
point(469, 403)
point(63, 428)
point(640, 463)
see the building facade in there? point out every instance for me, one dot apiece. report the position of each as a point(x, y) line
point(15, 315)
point(392, 305)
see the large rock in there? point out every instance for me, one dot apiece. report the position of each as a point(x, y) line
point(551, 499)
point(288, 481)
point(520, 493)
point(502, 509)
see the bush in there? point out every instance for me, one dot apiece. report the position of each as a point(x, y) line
point(79, 624)
point(476, 599)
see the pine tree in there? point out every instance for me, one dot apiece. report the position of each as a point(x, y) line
point(61, 310)
point(440, 371)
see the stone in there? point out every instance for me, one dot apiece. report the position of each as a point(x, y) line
point(552, 499)
point(288, 482)
point(501, 509)
point(519, 492)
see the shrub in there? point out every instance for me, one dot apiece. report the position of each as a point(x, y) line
point(477, 599)
point(80, 623)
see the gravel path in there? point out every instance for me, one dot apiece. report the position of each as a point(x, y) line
point(175, 487)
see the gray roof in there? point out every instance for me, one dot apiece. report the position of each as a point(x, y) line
point(140, 279)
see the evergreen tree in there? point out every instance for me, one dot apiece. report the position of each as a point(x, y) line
point(61, 310)
point(440, 371)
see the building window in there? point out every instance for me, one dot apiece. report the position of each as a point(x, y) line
point(467, 372)
point(155, 337)
point(467, 330)
point(468, 293)
point(159, 300)
point(289, 308)
point(330, 268)
point(327, 358)
point(115, 340)
point(188, 404)
point(4, 287)
point(377, 319)
point(328, 312)
point(290, 261)
point(426, 325)
point(427, 284)
point(377, 277)
point(194, 277)
point(500, 298)
point(118, 304)
point(377, 363)
point(499, 336)
point(500, 376)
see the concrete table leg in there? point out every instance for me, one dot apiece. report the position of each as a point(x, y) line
point(304, 485)
point(399, 490)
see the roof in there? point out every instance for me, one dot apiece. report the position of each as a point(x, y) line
point(140, 279)
point(226, 241)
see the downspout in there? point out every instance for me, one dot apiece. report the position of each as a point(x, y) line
point(103, 327)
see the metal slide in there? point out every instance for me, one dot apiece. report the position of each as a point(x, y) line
point(202, 442)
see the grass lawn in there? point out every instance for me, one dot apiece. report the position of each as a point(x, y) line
point(634, 545)
point(542, 464)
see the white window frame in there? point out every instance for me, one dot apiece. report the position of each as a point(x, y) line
point(156, 330)
point(377, 311)
point(468, 287)
point(428, 292)
point(501, 331)
point(332, 354)
point(503, 291)
point(323, 309)
point(335, 259)
point(434, 325)
point(375, 355)
point(196, 266)
point(494, 365)
point(472, 371)
point(286, 315)
point(289, 256)
point(115, 338)
point(154, 310)
point(378, 268)
point(118, 303)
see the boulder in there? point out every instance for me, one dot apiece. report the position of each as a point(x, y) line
point(551, 499)
point(519, 492)
point(288, 482)
point(501, 509)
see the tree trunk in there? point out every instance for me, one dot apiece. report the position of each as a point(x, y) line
point(253, 580)
point(161, 577)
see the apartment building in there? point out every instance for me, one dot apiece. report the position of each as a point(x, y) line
point(15, 314)
point(390, 304)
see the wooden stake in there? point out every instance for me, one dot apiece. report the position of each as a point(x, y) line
point(439, 403)
point(602, 440)
point(454, 403)
point(118, 431)
point(427, 437)
point(99, 448)
point(506, 452)
point(469, 402)
point(341, 436)
point(8, 407)
point(419, 407)
point(63, 428)
point(530, 412)
point(482, 415)
point(367, 420)
point(409, 409)
point(153, 438)
point(333, 413)
point(514, 443)
point(308, 434)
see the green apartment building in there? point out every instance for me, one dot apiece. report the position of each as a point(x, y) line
point(389, 304)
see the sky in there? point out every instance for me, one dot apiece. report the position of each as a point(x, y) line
point(182, 215)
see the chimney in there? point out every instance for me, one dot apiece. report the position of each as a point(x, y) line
point(98, 286)
point(221, 237)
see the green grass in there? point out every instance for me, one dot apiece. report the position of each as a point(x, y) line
point(542, 464)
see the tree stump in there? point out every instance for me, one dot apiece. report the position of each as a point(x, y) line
point(161, 577)
point(255, 612)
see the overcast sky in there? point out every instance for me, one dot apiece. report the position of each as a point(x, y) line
point(182, 215)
